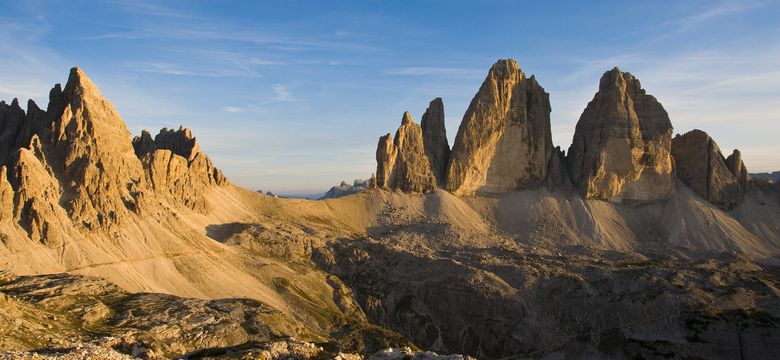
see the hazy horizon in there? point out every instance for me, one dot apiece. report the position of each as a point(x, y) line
point(291, 97)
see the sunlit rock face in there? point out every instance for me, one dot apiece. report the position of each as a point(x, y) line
point(622, 144)
point(176, 168)
point(504, 141)
point(401, 161)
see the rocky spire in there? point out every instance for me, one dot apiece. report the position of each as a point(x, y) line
point(144, 144)
point(700, 165)
point(737, 167)
point(37, 195)
point(435, 139)
point(11, 123)
point(385, 160)
point(504, 141)
point(622, 142)
point(176, 168)
point(402, 163)
point(90, 146)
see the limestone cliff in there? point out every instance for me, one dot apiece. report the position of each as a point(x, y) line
point(504, 142)
point(621, 147)
point(402, 163)
point(435, 139)
point(702, 167)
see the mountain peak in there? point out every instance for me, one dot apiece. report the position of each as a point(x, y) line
point(407, 118)
point(621, 146)
point(504, 141)
point(79, 85)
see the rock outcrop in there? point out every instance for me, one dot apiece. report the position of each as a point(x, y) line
point(622, 144)
point(176, 168)
point(737, 167)
point(74, 167)
point(402, 163)
point(89, 145)
point(557, 172)
point(504, 142)
point(701, 166)
point(37, 196)
point(435, 139)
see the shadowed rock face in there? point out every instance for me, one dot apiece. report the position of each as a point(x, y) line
point(435, 139)
point(504, 141)
point(702, 167)
point(737, 167)
point(402, 163)
point(622, 143)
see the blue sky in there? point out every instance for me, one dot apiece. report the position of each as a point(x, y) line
point(291, 96)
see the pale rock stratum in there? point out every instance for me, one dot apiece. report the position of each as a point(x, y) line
point(622, 143)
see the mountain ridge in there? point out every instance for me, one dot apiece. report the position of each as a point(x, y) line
point(518, 260)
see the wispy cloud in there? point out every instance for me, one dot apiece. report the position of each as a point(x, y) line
point(233, 109)
point(28, 64)
point(282, 93)
point(140, 7)
point(203, 71)
point(436, 71)
point(718, 10)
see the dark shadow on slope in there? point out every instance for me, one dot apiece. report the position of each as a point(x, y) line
point(223, 232)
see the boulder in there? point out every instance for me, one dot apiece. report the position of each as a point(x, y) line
point(622, 144)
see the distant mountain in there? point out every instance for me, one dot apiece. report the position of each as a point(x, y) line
point(774, 176)
point(344, 189)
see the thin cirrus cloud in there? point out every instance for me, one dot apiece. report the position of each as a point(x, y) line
point(436, 71)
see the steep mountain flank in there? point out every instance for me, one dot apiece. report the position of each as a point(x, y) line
point(435, 139)
point(81, 140)
point(402, 162)
point(504, 142)
point(622, 143)
point(702, 167)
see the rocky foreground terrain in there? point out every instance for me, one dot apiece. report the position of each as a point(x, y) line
point(633, 244)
